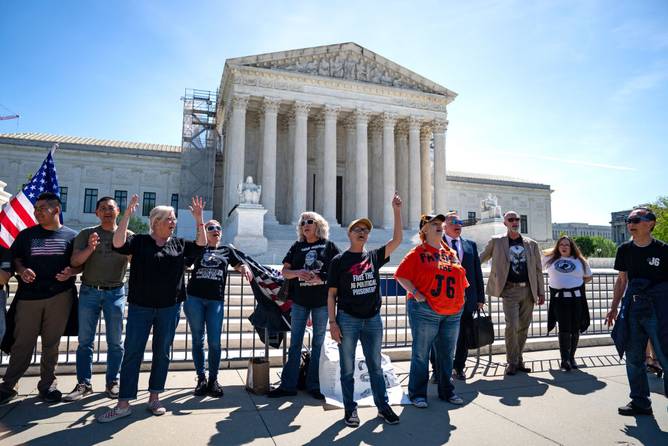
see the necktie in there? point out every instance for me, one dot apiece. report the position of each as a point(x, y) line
point(454, 245)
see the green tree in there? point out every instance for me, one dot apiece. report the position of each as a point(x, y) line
point(586, 245)
point(660, 209)
point(137, 225)
point(596, 246)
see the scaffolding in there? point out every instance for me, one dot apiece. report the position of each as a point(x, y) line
point(199, 143)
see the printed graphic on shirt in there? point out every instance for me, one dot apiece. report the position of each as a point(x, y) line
point(564, 266)
point(518, 259)
point(363, 281)
point(213, 259)
point(47, 247)
point(654, 261)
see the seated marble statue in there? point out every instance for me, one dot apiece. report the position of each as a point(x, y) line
point(249, 192)
point(490, 207)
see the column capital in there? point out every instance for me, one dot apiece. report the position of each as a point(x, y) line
point(375, 126)
point(270, 105)
point(302, 108)
point(389, 119)
point(319, 120)
point(425, 132)
point(361, 116)
point(414, 123)
point(331, 111)
point(439, 125)
point(240, 102)
point(402, 127)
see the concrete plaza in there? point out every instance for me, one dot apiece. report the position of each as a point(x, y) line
point(545, 407)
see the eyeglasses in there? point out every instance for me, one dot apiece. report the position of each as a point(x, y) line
point(212, 228)
point(455, 221)
point(307, 222)
point(636, 220)
point(359, 230)
point(512, 219)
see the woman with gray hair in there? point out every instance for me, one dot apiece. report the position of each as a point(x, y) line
point(305, 266)
point(156, 290)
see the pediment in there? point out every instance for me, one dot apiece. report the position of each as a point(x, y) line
point(347, 61)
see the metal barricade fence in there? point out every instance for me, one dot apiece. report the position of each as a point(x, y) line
point(239, 340)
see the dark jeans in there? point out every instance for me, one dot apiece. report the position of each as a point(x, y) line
point(137, 330)
point(642, 324)
point(201, 314)
point(465, 324)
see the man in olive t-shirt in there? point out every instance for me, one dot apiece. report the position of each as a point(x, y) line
point(102, 290)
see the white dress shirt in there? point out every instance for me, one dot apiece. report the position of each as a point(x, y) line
point(460, 248)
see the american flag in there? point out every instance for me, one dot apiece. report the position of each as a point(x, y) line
point(18, 213)
point(47, 247)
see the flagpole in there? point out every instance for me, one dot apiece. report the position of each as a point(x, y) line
point(53, 149)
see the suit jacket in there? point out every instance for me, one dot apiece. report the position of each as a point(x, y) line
point(471, 262)
point(497, 250)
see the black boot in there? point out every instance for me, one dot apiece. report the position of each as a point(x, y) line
point(575, 337)
point(564, 350)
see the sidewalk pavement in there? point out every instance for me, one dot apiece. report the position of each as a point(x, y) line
point(545, 407)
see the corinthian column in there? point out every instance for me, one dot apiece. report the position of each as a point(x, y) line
point(299, 160)
point(236, 143)
point(376, 173)
point(268, 180)
point(439, 127)
point(329, 165)
point(349, 175)
point(402, 168)
point(425, 169)
point(414, 180)
point(389, 185)
point(361, 164)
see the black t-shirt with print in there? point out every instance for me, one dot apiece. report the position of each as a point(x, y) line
point(518, 261)
point(314, 257)
point(47, 253)
point(356, 276)
point(156, 272)
point(209, 274)
point(649, 262)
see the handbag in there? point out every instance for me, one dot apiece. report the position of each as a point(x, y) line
point(481, 331)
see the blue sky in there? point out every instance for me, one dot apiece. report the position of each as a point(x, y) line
point(569, 93)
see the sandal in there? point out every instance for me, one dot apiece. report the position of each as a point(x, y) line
point(654, 367)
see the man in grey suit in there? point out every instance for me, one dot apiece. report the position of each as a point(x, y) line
point(517, 277)
point(467, 251)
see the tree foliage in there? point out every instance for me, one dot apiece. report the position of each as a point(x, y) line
point(660, 209)
point(137, 225)
point(596, 246)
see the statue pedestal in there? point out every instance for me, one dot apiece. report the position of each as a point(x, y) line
point(244, 229)
point(483, 232)
point(4, 196)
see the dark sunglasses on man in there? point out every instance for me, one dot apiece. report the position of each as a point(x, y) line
point(638, 219)
point(456, 221)
point(512, 219)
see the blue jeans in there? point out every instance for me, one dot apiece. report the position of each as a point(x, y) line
point(137, 330)
point(370, 333)
point(112, 304)
point(299, 316)
point(427, 328)
point(207, 313)
point(642, 326)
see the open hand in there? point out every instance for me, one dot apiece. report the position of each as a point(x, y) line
point(197, 208)
point(65, 274)
point(611, 317)
point(132, 206)
point(93, 241)
point(335, 332)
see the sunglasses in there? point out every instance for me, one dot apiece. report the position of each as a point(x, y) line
point(636, 220)
point(454, 221)
point(212, 228)
point(307, 222)
point(359, 230)
point(513, 219)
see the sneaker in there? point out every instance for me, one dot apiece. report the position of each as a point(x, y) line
point(632, 410)
point(522, 368)
point(574, 365)
point(6, 395)
point(420, 403)
point(52, 395)
point(315, 393)
point(214, 389)
point(351, 419)
point(112, 390)
point(156, 408)
point(80, 391)
point(279, 392)
point(387, 414)
point(455, 399)
point(202, 386)
point(114, 414)
point(511, 369)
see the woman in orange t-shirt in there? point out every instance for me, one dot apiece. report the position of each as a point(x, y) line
point(435, 281)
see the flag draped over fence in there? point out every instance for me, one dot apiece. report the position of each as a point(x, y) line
point(18, 213)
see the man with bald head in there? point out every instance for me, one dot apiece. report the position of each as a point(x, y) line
point(517, 277)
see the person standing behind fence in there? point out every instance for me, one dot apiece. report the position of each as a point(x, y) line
point(567, 272)
point(435, 281)
point(45, 297)
point(517, 277)
point(642, 263)
point(306, 265)
point(205, 306)
point(5, 275)
point(156, 290)
point(102, 290)
point(353, 305)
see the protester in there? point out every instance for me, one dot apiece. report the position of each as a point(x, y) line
point(102, 290)
point(156, 289)
point(642, 281)
point(517, 277)
point(567, 272)
point(205, 306)
point(45, 297)
point(306, 265)
point(353, 305)
point(5, 275)
point(435, 281)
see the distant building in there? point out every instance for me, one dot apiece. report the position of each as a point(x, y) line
point(581, 229)
point(618, 224)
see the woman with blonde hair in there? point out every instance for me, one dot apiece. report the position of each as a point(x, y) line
point(305, 266)
point(567, 272)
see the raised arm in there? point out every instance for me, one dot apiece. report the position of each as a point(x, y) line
point(197, 210)
point(398, 233)
point(120, 236)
